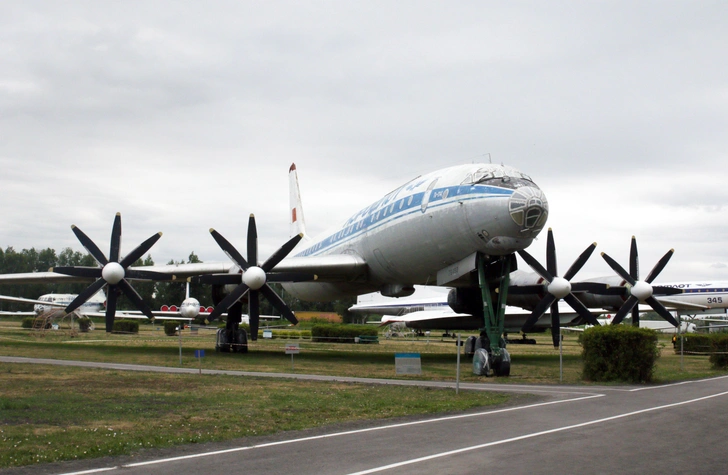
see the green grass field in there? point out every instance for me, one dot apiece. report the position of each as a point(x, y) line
point(50, 413)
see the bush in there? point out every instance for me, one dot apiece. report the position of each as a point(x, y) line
point(84, 324)
point(29, 322)
point(719, 350)
point(694, 343)
point(619, 353)
point(126, 326)
point(170, 327)
point(341, 333)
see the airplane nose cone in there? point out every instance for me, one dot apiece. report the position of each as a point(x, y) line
point(529, 209)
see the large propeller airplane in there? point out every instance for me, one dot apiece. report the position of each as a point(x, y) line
point(459, 227)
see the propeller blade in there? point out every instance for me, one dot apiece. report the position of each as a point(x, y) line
point(132, 295)
point(662, 290)
point(254, 314)
point(278, 304)
point(636, 316)
point(140, 250)
point(609, 290)
point(581, 309)
point(535, 265)
point(551, 265)
point(660, 309)
point(290, 277)
point(625, 309)
point(89, 292)
point(618, 269)
point(218, 279)
point(92, 248)
point(580, 261)
point(659, 266)
point(115, 239)
point(229, 250)
point(252, 241)
point(527, 289)
point(90, 272)
point(111, 297)
point(281, 253)
point(140, 274)
point(230, 299)
point(538, 311)
point(634, 263)
point(555, 324)
point(591, 287)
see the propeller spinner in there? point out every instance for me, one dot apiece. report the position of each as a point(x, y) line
point(113, 272)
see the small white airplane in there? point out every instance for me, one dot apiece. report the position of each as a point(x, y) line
point(48, 302)
point(458, 227)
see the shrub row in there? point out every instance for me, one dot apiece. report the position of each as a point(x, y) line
point(84, 324)
point(694, 343)
point(719, 350)
point(126, 326)
point(28, 322)
point(619, 353)
point(341, 333)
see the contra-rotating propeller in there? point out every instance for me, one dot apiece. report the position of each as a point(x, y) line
point(556, 288)
point(639, 291)
point(254, 279)
point(112, 272)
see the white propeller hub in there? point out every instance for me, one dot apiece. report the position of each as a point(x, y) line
point(559, 287)
point(641, 290)
point(112, 273)
point(254, 277)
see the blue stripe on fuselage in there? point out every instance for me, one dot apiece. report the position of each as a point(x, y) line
point(389, 210)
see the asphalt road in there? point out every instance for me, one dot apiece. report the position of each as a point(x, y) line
point(677, 428)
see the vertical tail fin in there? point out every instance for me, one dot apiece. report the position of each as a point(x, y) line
point(297, 223)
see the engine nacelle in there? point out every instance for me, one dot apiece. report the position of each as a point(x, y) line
point(397, 290)
point(466, 300)
point(219, 292)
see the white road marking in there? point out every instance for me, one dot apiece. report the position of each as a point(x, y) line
point(529, 436)
point(337, 434)
point(694, 381)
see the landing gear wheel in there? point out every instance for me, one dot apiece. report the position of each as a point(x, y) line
point(241, 341)
point(221, 342)
point(502, 363)
point(481, 363)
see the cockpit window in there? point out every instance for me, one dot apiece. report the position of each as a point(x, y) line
point(498, 176)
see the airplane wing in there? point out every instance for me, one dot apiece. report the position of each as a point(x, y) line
point(30, 301)
point(679, 304)
point(138, 315)
point(18, 314)
point(448, 320)
point(331, 268)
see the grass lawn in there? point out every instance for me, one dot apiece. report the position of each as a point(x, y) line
point(51, 413)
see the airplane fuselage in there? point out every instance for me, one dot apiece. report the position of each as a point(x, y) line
point(95, 304)
point(429, 223)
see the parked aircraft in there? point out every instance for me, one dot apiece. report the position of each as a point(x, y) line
point(48, 302)
point(459, 226)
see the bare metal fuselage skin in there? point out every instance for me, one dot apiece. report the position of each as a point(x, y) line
point(430, 223)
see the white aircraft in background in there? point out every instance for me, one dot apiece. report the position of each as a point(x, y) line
point(48, 302)
point(428, 309)
point(458, 227)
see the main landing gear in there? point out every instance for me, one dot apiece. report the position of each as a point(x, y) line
point(490, 357)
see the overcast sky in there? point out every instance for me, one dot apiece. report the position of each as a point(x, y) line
point(186, 115)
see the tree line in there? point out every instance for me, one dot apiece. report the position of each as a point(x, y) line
point(155, 294)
